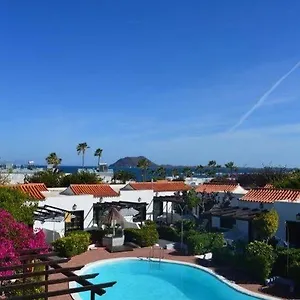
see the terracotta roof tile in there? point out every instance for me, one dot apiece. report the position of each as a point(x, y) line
point(269, 186)
point(32, 189)
point(216, 188)
point(161, 186)
point(97, 190)
point(270, 195)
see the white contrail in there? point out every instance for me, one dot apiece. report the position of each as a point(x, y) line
point(264, 97)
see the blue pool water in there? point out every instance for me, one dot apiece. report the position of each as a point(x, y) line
point(144, 280)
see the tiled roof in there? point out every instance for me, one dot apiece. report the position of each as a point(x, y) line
point(161, 186)
point(270, 195)
point(32, 189)
point(269, 186)
point(216, 188)
point(97, 190)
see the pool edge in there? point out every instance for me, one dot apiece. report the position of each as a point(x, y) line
point(231, 284)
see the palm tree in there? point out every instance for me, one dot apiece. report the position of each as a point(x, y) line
point(143, 164)
point(81, 148)
point(98, 153)
point(53, 159)
point(161, 172)
point(187, 172)
point(231, 167)
point(175, 172)
point(199, 169)
point(212, 168)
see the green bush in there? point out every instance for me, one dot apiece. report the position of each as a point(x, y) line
point(285, 258)
point(144, 237)
point(74, 243)
point(187, 225)
point(294, 273)
point(259, 260)
point(201, 243)
point(168, 233)
point(224, 256)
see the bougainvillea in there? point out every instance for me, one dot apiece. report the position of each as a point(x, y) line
point(15, 237)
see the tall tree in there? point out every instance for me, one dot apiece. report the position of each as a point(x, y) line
point(231, 167)
point(81, 148)
point(98, 153)
point(123, 176)
point(187, 172)
point(199, 169)
point(161, 172)
point(212, 168)
point(144, 165)
point(53, 159)
point(175, 172)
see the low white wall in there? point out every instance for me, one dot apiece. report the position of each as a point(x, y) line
point(215, 222)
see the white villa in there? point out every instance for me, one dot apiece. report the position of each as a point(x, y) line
point(80, 205)
point(246, 205)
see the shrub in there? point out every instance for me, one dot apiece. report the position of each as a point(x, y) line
point(266, 224)
point(294, 272)
point(224, 256)
point(259, 258)
point(144, 237)
point(285, 258)
point(74, 243)
point(168, 233)
point(187, 225)
point(201, 243)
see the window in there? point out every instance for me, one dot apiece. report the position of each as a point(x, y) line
point(227, 222)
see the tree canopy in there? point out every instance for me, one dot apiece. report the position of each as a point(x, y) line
point(123, 176)
point(51, 179)
point(18, 204)
point(266, 224)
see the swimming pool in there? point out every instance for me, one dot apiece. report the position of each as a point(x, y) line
point(141, 279)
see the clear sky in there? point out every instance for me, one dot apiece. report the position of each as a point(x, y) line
point(167, 79)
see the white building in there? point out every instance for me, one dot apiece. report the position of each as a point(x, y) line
point(240, 215)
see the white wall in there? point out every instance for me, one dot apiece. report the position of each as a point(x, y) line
point(242, 226)
point(287, 211)
point(133, 196)
point(215, 222)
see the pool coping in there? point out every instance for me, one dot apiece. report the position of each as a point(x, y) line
point(231, 284)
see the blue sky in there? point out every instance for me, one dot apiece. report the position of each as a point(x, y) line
point(165, 79)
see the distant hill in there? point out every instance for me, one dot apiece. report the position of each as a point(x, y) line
point(130, 162)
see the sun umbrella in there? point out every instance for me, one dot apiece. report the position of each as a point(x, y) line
point(114, 217)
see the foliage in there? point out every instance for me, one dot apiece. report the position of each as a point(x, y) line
point(123, 176)
point(291, 181)
point(224, 256)
point(4, 179)
point(98, 153)
point(81, 148)
point(48, 177)
point(51, 179)
point(294, 272)
point(82, 177)
point(19, 204)
point(192, 199)
point(188, 225)
point(74, 243)
point(53, 159)
point(285, 258)
point(168, 233)
point(144, 165)
point(144, 237)
point(15, 237)
point(201, 243)
point(187, 172)
point(175, 172)
point(266, 224)
point(231, 167)
point(262, 177)
point(212, 168)
point(259, 258)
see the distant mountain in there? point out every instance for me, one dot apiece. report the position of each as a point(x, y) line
point(130, 162)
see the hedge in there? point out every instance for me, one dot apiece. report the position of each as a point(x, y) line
point(144, 237)
point(284, 256)
point(73, 244)
point(259, 260)
point(168, 233)
point(201, 243)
